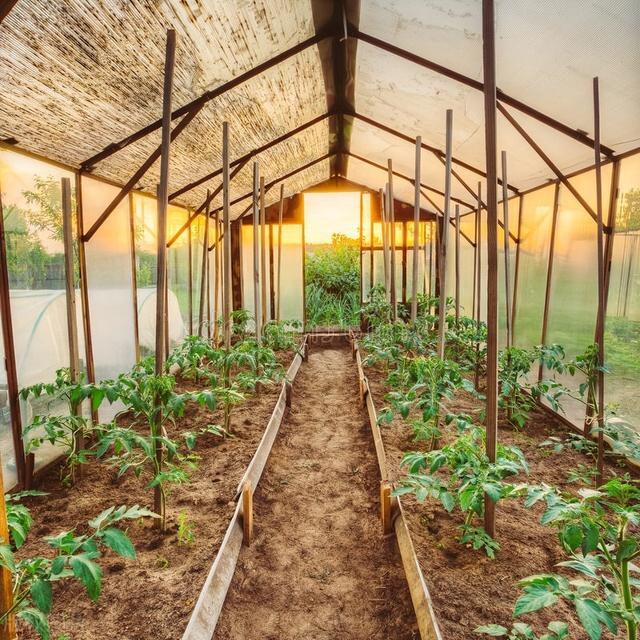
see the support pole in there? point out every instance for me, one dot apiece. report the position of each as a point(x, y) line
point(226, 220)
point(601, 281)
point(257, 308)
point(391, 215)
point(217, 279)
point(416, 233)
point(385, 239)
point(489, 73)
point(478, 275)
point(203, 278)
point(507, 267)
point(279, 279)
point(263, 254)
point(8, 629)
point(163, 202)
point(457, 263)
point(442, 305)
point(70, 290)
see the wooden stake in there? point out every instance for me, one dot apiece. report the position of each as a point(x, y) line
point(216, 282)
point(247, 513)
point(442, 305)
point(257, 307)
point(385, 239)
point(391, 214)
point(601, 281)
point(457, 294)
point(507, 266)
point(478, 278)
point(226, 218)
point(385, 507)
point(203, 279)
point(163, 195)
point(416, 232)
point(489, 72)
point(278, 289)
point(263, 253)
point(7, 630)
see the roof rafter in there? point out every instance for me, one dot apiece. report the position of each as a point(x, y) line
point(576, 134)
point(206, 97)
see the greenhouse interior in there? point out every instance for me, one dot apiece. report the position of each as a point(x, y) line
point(320, 319)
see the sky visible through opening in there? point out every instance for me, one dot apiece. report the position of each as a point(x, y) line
point(329, 213)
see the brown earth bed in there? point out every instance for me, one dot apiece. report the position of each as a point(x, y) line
point(152, 596)
point(319, 567)
point(468, 589)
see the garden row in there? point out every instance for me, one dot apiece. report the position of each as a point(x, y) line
point(178, 445)
point(566, 540)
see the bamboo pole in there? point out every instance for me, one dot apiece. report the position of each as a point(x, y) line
point(416, 233)
point(257, 308)
point(8, 629)
point(203, 279)
point(475, 266)
point(279, 273)
point(478, 277)
point(457, 263)
point(163, 202)
point(385, 239)
point(263, 253)
point(70, 290)
point(391, 214)
point(442, 305)
point(217, 279)
point(226, 220)
point(489, 73)
point(507, 267)
point(601, 281)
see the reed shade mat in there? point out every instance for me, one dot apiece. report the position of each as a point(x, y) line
point(319, 566)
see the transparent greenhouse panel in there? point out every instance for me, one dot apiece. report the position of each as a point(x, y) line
point(366, 273)
point(197, 248)
point(535, 236)
point(292, 300)
point(467, 257)
point(178, 257)
point(32, 208)
point(622, 333)
point(109, 277)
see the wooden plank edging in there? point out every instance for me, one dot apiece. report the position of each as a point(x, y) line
point(208, 607)
point(420, 597)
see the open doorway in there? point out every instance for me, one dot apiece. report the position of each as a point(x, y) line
point(332, 259)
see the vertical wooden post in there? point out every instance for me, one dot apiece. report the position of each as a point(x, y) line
point(442, 305)
point(516, 274)
point(385, 507)
point(263, 253)
point(24, 470)
point(272, 276)
point(416, 231)
point(475, 265)
point(457, 263)
point(226, 220)
point(391, 215)
point(279, 276)
point(205, 262)
point(247, 513)
point(84, 289)
point(217, 278)
point(507, 267)
point(489, 76)
point(431, 234)
point(8, 629)
point(134, 276)
point(208, 223)
point(371, 255)
point(478, 314)
point(601, 281)
point(70, 290)
point(404, 261)
point(385, 239)
point(161, 290)
point(257, 308)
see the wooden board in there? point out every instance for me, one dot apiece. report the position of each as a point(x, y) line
point(420, 597)
point(206, 612)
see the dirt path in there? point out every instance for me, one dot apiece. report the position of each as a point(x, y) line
point(319, 567)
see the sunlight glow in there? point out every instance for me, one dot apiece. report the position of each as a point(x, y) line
point(329, 213)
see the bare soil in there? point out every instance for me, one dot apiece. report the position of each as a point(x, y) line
point(468, 589)
point(319, 567)
point(153, 596)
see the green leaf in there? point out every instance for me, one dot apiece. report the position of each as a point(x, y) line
point(494, 630)
point(118, 541)
point(42, 595)
point(37, 620)
point(591, 538)
point(6, 557)
point(589, 612)
point(534, 598)
point(89, 573)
